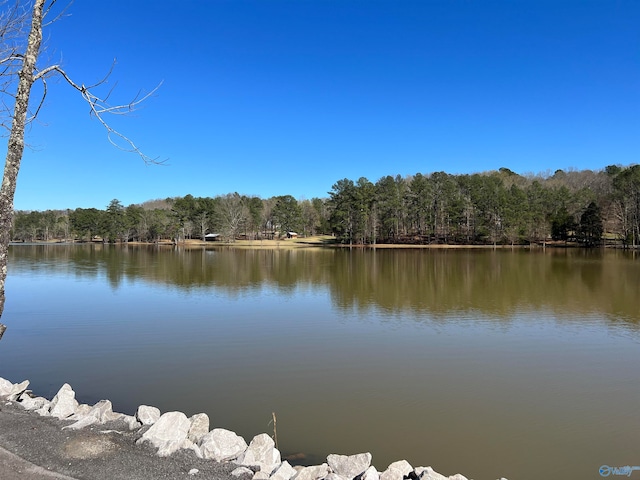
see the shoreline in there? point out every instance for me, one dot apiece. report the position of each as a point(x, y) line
point(84, 441)
point(325, 241)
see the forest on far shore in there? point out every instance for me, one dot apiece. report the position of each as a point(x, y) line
point(584, 207)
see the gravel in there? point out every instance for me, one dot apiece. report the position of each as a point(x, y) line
point(95, 453)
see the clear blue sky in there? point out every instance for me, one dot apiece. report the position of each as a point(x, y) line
point(274, 97)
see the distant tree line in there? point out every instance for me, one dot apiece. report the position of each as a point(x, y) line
point(232, 216)
point(497, 207)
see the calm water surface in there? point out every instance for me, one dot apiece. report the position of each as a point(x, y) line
point(488, 363)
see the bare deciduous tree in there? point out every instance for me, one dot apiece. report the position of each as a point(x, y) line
point(233, 213)
point(20, 47)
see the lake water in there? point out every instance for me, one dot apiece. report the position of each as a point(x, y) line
point(523, 364)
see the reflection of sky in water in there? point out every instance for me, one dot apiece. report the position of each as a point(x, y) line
point(461, 391)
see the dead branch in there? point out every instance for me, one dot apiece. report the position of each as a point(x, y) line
point(99, 107)
point(12, 26)
point(63, 13)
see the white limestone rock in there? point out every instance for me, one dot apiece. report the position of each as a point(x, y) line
point(168, 434)
point(64, 404)
point(370, 474)
point(147, 415)
point(458, 476)
point(222, 445)
point(349, 466)
point(81, 411)
point(428, 473)
point(189, 445)
point(101, 412)
point(19, 390)
point(5, 387)
point(131, 421)
point(335, 476)
point(315, 472)
point(284, 472)
point(84, 422)
point(261, 453)
point(16, 390)
point(44, 410)
point(199, 427)
point(241, 472)
point(194, 471)
point(396, 471)
point(260, 475)
point(29, 403)
point(115, 416)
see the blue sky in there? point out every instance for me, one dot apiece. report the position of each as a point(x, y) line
point(275, 97)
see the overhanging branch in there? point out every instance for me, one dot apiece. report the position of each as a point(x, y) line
point(99, 107)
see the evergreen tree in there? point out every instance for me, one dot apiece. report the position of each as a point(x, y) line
point(590, 229)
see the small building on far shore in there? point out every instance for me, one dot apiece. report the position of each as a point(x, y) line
point(292, 235)
point(212, 237)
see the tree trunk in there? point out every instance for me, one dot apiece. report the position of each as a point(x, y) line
point(15, 146)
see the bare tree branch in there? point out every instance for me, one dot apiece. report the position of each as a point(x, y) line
point(99, 107)
point(59, 15)
point(44, 95)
